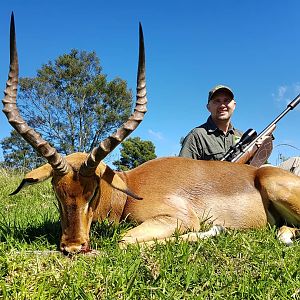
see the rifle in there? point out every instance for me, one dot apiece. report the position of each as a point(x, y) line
point(255, 149)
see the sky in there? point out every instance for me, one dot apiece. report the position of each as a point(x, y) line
point(191, 46)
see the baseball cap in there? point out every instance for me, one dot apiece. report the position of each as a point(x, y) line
point(218, 88)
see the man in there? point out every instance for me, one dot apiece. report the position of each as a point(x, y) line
point(211, 140)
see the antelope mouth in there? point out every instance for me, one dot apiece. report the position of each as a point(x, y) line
point(85, 249)
point(73, 249)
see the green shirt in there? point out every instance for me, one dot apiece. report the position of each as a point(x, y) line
point(208, 142)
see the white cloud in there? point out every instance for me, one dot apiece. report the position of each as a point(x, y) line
point(158, 135)
point(286, 93)
point(297, 88)
point(279, 95)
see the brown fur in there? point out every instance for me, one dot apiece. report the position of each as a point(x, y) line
point(177, 194)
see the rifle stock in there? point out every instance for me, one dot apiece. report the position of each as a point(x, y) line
point(260, 148)
point(262, 154)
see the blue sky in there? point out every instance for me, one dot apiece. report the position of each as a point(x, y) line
point(252, 46)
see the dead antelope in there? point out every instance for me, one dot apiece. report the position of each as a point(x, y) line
point(176, 193)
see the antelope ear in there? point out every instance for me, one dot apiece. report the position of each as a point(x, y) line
point(35, 176)
point(113, 179)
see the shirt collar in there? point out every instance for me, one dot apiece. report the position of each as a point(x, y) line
point(212, 127)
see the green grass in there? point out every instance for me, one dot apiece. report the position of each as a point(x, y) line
point(236, 265)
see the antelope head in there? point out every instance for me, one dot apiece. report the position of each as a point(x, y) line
point(76, 177)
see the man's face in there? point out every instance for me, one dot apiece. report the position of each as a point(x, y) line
point(221, 106)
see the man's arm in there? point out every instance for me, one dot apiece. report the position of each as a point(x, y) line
point(191, 148)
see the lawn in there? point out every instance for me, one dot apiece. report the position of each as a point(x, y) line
point(236, 265)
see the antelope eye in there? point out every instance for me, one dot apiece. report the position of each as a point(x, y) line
point(95, 194)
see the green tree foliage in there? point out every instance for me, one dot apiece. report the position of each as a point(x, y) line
point(71, 104)
point(134, 152)
point(19, 154)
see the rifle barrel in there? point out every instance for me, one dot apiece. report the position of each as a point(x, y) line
point(295, 102)
point(290, 106)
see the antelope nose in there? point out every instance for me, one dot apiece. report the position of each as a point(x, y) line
point(74, 248)
point(70, 249)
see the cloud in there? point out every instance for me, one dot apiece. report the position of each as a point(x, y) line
point(157, 135)
point(297, 88)
point(286, 93)
point(280, 94)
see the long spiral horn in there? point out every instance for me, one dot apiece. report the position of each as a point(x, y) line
point(58, 163)
point(110, 143)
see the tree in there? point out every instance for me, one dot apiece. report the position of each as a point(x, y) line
point(71, 104)
point(19, 154)
point(134, 152)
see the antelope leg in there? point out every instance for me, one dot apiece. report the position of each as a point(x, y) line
point(156, 228)
point(161, 229)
